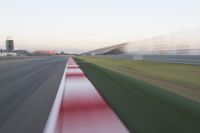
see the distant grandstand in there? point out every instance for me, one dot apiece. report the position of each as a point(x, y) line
point(184, 45)
point(115, 50)
point(179, 43)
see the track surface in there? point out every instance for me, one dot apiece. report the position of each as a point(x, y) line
point(27, 92)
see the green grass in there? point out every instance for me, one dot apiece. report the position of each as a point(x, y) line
point(143, 108)
point(177, 78)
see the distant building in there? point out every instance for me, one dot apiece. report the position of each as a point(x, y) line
point(9, 45)
point(44, 52)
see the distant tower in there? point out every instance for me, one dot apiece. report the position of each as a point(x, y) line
point(9, 45)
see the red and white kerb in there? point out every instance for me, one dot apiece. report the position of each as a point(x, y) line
point(82, 109)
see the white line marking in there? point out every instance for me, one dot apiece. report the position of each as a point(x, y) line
point(53, 117)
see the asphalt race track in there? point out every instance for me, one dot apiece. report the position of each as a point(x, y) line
point(27, 92)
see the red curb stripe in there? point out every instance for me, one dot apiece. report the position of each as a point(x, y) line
point(72, 67)
point(75, 74)
point(83, 110)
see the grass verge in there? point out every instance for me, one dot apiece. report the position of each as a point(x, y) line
point(177, 78)
point(143, 108)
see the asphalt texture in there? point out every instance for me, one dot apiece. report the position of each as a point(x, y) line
point(27, 92)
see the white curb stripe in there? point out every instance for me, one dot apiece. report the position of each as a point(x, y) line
point(51, 124)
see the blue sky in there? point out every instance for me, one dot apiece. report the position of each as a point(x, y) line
point(81, 25)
